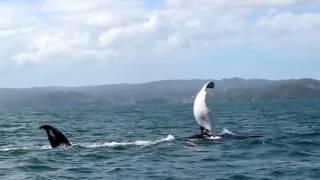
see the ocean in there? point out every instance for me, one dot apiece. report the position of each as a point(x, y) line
point(147, 141)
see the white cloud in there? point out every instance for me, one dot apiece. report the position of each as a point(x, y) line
point(103, 20)
point(104, 30)
point(288, 22)
point(130, 31)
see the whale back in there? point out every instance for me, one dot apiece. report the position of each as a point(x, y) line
point(200, 109)
point(55, 137)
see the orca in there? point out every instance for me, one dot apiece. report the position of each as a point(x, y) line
point(55, 137)
point(201, 113)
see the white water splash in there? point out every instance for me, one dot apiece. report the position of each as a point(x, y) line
point(9, 148)
point(136, 143)
point(30, 147)
point(91, 145)
point(46, 147)
point(226, 131)
point(214, 137)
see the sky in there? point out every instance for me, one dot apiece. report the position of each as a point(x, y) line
point(82, 42)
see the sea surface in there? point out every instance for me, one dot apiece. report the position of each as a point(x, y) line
point(147, 141)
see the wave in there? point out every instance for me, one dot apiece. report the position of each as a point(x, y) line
point(226, 131)
point(135, 143)
point(92, 145)
point(13, 148)
point(231, 135)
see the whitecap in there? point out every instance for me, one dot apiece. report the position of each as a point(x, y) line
point(136, 143)
point(226, 131)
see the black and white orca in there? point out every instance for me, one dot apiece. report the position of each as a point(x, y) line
point(201, 114)
point(55, 137)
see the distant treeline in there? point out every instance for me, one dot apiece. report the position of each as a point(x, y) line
point(161, 92)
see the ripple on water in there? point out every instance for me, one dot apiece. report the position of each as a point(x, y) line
point(132, 142)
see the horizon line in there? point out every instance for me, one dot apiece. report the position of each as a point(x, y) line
point(154, 81)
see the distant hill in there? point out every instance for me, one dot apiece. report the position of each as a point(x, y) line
point(161, 92)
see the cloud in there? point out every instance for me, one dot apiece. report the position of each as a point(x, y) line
point(107, 30)
point(288, 22)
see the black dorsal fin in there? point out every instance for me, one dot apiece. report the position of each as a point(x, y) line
point(55, 137)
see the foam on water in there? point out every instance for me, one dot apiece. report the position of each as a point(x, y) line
point(29, 147)
point(135, 143)
point(214, 137)
point(226, 131)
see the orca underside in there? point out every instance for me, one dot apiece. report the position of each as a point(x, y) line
point(55, 137)
point(202, 117)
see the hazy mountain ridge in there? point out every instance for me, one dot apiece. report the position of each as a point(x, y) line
point(161, 91)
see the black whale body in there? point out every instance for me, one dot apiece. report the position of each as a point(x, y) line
point(55, 137)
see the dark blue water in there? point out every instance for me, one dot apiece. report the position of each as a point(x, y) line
point(143, 142)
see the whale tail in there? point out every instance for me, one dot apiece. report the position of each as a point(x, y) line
point(55, 137)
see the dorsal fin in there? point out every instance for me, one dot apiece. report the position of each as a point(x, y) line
point(55, 137)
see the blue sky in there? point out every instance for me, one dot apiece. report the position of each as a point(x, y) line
point(80, 42)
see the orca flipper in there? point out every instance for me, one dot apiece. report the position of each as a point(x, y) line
point(55, 137)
